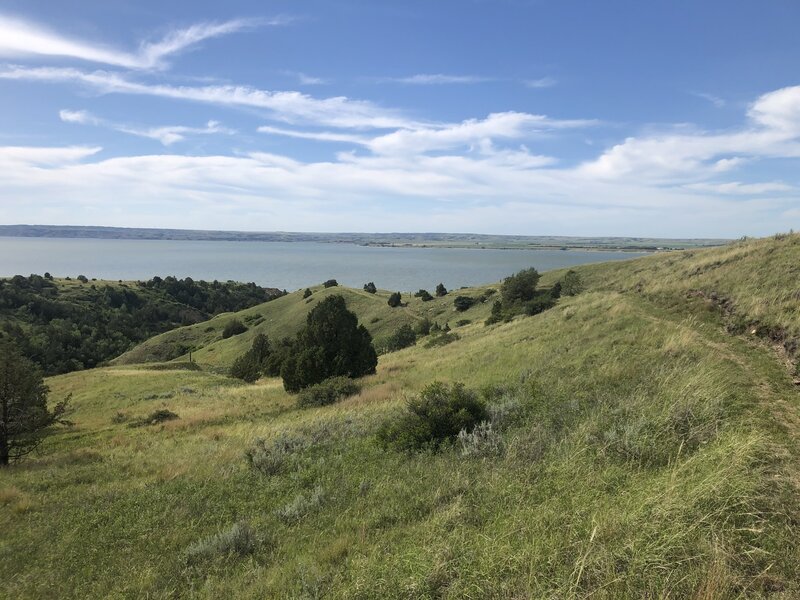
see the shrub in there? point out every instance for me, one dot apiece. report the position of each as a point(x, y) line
point(233, 327)
point(572, 283)
point(423, 327)
point(395, 300)
point(519, 287)
point(424, 294)
point(328, 392)
point(441, 290)
point(306, 293)
point(483, 440)
point(331, 283)
point(370, 288)
point(463, 303)
point(539, 304)
point(434, 418)
point(442, 339)
point(272, 458)
point(154, 418)
point(238, 540)
point(402, 338)
point(82, 278)
point(253, 363)
point(301, 506)
point(462, 322)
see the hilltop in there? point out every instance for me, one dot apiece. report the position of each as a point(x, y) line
point(646, 446)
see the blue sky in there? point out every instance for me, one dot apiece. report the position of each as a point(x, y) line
point(666, 118)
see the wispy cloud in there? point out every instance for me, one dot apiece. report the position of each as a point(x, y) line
point(541, 83)
point(436, 79)
point(715, 100)
point(304, 79)
point(166, 134)
point(20, 38)
point(289, 106)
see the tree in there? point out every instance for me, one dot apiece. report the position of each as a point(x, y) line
point(332, 343)
point(24, 416)
point(520, 287)
point(441, 290)
point(370, 288)
point(424, 294)
point(306, 293)
point(572, 283)
point(233, 327)
point(331, 283)
point(395, 300)
point(463, 303)
point(402, 338)
point(253, 363)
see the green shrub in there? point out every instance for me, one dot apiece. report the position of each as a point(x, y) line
point(273, 457)
point(301, 505)
point(434, 418)
point(306, 293)
point(463, 303)
point(395, 300)
point(423, 327)
point(402, 338)
point(238, 540)
point(519, 287)
point(572, 284)
point(233, 327)
point(330, 283)
point(424, 294)
point(253, 363)
point(154, 418)
point(462, 322)
point(483, 440)
point(442, 339)
point(328, 392)
point(441, 290)
point(370, 288)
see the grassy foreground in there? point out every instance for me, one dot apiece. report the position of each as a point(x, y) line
point(652, 453)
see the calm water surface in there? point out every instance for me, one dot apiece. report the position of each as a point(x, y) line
point(285, 265)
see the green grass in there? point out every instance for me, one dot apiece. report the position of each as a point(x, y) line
point(656, 457)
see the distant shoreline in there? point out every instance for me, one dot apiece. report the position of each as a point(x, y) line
point(379, 240)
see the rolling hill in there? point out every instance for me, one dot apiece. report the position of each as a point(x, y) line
point(649, 449)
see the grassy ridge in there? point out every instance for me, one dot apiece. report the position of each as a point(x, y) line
point(285, 316)
point(654, 455)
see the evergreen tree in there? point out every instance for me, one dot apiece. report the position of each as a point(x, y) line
point(441, 290)
point(395, 300)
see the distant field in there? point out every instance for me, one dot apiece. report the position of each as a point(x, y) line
point(427, 240)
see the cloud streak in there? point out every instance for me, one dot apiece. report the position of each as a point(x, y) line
point(20, 38)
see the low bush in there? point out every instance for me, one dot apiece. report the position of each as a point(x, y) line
point(463, 303)
point(442, 339)
point(483, 440)
point(301, 505)
point(402, 338)
point(272, 457)
point(425, 295)
point(154, 418)
point(306, 293)
point(237, 540)
point(233, 327)
point(462, 322)
point(423, 327)
point(395, 300)
point(327, 392)
point(330, 283)
point(434, 418)
point(370, 288)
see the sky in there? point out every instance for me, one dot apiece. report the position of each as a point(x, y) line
point(665, 118)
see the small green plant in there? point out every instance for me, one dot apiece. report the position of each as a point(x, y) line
point(442, 339)
point(301, 505)
point(463, 303)
point(402, 338)
point(237, 540)
point(233, 327)
point(434, 418)
point(272, 457)
point(327, 392)
point(162, 415)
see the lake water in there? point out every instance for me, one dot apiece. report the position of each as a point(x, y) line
point(285, 265)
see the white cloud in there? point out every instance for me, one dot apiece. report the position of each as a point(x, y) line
point(742, 189)
point(436, 79)
point(20, 38)
point(773, 130)
point(543, 82)
point(715, 100)
point(166, 134)
point(337, 111)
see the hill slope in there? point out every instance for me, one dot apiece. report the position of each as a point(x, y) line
point(285, 316)
point(649, 452)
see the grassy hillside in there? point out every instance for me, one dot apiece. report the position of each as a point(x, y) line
point(285, 316)
point(650, 452)
point(64, 324)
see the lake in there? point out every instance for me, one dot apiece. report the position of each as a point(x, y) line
point(285, 265)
